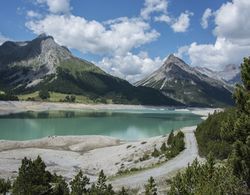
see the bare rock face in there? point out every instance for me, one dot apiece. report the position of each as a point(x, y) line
point(188, 85)
point(27, 63)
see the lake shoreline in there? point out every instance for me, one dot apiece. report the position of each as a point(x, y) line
point(11, 107)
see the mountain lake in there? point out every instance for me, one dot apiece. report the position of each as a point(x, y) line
point(123, 124)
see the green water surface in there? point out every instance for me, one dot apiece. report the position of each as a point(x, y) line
point(123, 124)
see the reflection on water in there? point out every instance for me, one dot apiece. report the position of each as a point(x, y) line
point(123, 124)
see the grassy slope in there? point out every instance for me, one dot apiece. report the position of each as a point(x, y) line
point(55, 97)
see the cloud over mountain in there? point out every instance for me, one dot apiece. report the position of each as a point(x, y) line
point(114, 39)
point(119, 36)
point(232, 29)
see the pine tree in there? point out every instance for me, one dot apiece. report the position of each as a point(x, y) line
point(210, 165)
point(32, 178)
point(170, 138)
point(155, 153)
point(4, 186)
point(240, 158)
point(245, 73)
point(101, 182)
point(163, 147)
point(44, 94)
point(123, 191)
point(93, 190)
point(79, 184)
point(150, 187)
point(60, 186)
point(110, 190)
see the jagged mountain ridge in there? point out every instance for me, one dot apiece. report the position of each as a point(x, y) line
point(229, 74)
point(179, 81)
point(41, 63)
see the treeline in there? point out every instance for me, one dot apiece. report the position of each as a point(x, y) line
point(217, 134)
point(34, 179)
point(8, 96)
point(227, 136)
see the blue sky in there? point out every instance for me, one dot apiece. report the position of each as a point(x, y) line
point(131, 38)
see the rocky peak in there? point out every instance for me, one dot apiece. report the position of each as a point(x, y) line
point(43, 39)
point(46, 46)
point(42, 51)
point(173, 61)
point(44, 36)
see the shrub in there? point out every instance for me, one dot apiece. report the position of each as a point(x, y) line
point(155, 153)
point(150, 187)
point(71, 98)
point(170, 137)
point(4, 186)
point(144, 157)
point(44, 94)
point(163, 147)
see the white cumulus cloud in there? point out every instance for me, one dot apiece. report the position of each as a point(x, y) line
point(163, 18)
point(57, 6)
point(160, 7)
point(232, 30)
point(119, 36)
point(151, 6)
point(33, 14)
point(205, 17)
point(182, 23)
point(130, 66)
point(232, 21)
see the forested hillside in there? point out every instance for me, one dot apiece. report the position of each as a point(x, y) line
point(225, 135)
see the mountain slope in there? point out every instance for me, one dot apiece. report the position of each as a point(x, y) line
point(230, 73)
point(30, 66)
point(178, 80)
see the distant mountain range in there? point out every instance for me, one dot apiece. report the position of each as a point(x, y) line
point(230, 73)
point(30, 66)
point(190, 86)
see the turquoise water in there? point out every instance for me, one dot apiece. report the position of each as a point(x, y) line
point(123, 124)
